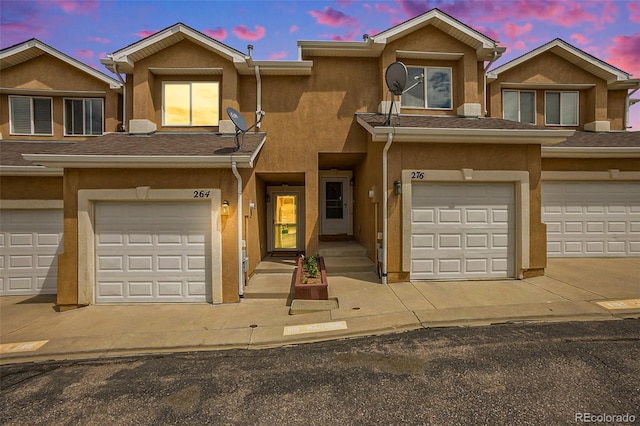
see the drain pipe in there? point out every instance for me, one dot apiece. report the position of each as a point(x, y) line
point(627, 105)
point(385, 213)
point(493, 59)
point(258, 98)
point(234, 168)
point(116, 71)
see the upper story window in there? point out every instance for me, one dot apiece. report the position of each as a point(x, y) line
point(561, 108)
point(519, 106)
point(83, 117)
point(31, 115)
point(190, 103)
point(434, 93)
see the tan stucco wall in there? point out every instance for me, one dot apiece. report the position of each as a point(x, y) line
point(616, 108)
point(77, 179)
point(48, 73)
point(548, 68)
point(30, 188)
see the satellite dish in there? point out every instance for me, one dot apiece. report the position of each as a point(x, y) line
point(396, 77)
point(238, 119)
point(241, 124)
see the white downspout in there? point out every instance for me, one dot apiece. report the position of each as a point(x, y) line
point(627, 105)
point(234, 168)
point(258, 98)
point(493, 59)
point(124, 95)
point(385, 214)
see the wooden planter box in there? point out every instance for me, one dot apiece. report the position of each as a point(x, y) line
point(312, 291)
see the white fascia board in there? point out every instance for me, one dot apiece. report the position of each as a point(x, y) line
point(590, 152)
point(617, 75)
point(37, 44)
point(421, 20)
point(340, 48)
point(138, 161)
point(299, 67)
point(30, 171)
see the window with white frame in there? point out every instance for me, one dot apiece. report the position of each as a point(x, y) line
point(518, 105)
point(31, 115)
point(83, 117)
point(561, 108)
point(191, 103)
point(434, 92)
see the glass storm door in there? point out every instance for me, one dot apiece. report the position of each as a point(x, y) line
point(285, 221)
point(334, 208)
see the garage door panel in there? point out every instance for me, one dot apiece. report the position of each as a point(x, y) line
point(473, 231)
point(31, 241)
point(163, 255)
point(591, 219)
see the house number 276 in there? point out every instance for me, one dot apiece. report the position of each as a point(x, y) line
point(201, 194)
point(417, 175)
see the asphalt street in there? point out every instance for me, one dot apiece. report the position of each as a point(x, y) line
point(526, 374)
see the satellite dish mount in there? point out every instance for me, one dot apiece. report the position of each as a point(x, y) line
point(241, 124)
point(396, 78)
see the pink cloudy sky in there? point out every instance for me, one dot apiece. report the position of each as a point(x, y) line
point(90, 29)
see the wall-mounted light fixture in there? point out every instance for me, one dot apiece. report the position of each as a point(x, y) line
point(397, 187)
point(224, 210)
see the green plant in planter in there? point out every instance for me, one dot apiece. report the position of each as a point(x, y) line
point(311, 265)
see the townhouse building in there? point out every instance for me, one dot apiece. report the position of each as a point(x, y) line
point(143, 187)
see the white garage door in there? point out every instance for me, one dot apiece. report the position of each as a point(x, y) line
point(592, 219)
point(462, 230)
point(30, 241)
point(153, 252)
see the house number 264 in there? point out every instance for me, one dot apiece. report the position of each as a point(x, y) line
point(201, 194)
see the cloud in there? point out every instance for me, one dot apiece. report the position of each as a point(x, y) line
point(332, 17)
point(343, 4)
point(277, 55)
point(513, 32)
point(244, 33)
point(218, 33)
point(146, 33)
point(83, 53)
point(77, 7)
point(21, 21)
point(634, 11)
point(293, 28)
point(385, 8)
point(624, 53)
point(580, 39)
point(100, 40)
point(413, 8)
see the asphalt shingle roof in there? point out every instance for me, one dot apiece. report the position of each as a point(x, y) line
point(116, 144)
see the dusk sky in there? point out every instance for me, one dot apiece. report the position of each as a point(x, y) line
point(90, 29)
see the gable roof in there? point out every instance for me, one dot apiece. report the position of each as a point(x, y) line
point(126, 57)
point(372, 46)
point(580, 58)
point(30, 49)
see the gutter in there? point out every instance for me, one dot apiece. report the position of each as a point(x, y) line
point(240, 221)
point(627, 104)
point(590, 152)
point(494, 58)
point(259, 111)
point(385, 202)
point(136, 161)
point(116, 71)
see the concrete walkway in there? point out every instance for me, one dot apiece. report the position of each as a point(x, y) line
point(573, 289)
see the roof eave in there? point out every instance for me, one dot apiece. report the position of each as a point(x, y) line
point(453, 135)
point(30, 171)
point(139, 161)
point(590, 152)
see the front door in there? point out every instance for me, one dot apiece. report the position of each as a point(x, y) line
point(286, 235)
point(334, 206)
